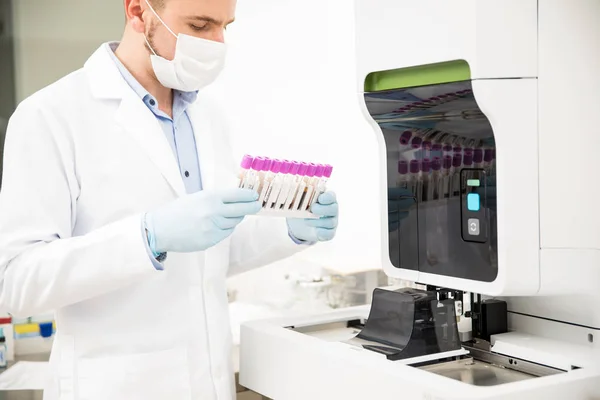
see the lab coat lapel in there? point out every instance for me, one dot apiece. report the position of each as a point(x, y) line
point(203, 131)
point(141, 124)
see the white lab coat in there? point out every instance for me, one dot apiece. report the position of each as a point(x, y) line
point(84, 159)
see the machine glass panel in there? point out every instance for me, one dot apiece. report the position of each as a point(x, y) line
point(441, 180)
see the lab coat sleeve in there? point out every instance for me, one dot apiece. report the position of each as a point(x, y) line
point(42, 266)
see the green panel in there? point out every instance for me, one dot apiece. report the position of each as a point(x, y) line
point(422, 75)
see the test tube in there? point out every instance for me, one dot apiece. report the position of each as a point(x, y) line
point(275, 186)
point(253, 178)
point(487, 159)
point(436, 178)
point(271, 170)
point(302, 170)
point(245, 165)
point(445, 184)
point(455, 174)
point(414, 177)
point(416, 142)
point(309, 179)
point(262, 174)
point(436, 151)
point(426, 146)
point(314, 183)
point(403, 177)
point(478, 158)
point(294, 185)
point(425, 184)
point(322, 185)
point(286, 166)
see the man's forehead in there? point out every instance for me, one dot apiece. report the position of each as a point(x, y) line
point(217, 9)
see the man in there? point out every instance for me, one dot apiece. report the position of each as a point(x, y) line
point(117, 211)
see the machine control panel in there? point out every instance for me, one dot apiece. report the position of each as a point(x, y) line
point(474, 226)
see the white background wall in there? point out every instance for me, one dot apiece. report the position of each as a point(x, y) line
point(290, 85)
point(55, 37)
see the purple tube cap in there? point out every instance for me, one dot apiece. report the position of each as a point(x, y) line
point(286, 166)
point(457, 149)
point(447, 164)
point(488, 155)
point(276, 166)
point(447, 148)
point(312, 169)
point(414, 166)
point(402, 167)
point(468, 160)
point(303, 168)
point(247, 161)
point(267, 164)
point(436, 165)
point(426, 165)
point(328, 171)
point(478, 156)
point(456, 160)
point(320, 170)
point(295, 167)
point(258, 163)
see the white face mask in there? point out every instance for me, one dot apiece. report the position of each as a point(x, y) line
point(197, 62)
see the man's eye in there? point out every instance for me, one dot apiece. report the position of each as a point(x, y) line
point(198, 28)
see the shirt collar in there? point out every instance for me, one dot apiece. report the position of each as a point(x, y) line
point(186, 98)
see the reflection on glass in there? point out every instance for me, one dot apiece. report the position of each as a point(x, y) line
point(437, 141)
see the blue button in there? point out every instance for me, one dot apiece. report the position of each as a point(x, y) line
point(473, 202)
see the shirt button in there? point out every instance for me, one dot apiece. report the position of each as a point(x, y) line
point(187, 174)
point(152, 102)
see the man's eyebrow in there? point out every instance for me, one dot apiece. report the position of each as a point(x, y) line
point(211, 20)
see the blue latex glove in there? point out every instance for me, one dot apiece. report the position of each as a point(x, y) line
point(199, 221)
point(321, 229)
point(399, 203)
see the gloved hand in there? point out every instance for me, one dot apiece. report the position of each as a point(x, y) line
point(199, 221)
point(317, 230)
point(399, 203)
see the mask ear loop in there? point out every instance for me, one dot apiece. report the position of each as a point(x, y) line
point(160, 19)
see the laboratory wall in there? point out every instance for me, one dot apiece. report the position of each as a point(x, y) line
point(55, 37)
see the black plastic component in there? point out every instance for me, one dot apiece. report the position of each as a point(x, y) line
point(490, 319)
point(410, 323)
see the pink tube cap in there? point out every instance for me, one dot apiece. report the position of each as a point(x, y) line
point(328, 171)
point(286, 166)
point(258, 163)
point(312, 169)
point(276, 166)
point(320, 170)
point(267, 164)
point(295, 167)
point(247, 161)
point(303, 168)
